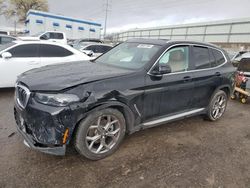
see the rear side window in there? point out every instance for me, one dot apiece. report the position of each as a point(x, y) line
point(201, 57)
point(26, 50)
point(219, 58)
point(47, 50)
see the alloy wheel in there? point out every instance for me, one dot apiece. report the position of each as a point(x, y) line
point(103, 134)
point(219, 106)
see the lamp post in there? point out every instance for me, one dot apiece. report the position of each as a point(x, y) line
point(15, 23)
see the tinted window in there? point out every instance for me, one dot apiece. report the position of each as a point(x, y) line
point(201, 57)
point(244, 65)
point(98, 48)
point(47, 50)
point(93, 48)
point(55, 35)
point(3, 33)
point(218, 57)
point(177, 58)
point(5, 40)
point(26, 50)
point(104, 49)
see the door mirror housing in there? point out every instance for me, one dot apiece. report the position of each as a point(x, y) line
point(6, 55)
point(162, 69)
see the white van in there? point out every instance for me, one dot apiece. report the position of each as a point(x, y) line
point(53, 36)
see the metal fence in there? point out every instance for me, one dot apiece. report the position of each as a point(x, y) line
point(228, 31)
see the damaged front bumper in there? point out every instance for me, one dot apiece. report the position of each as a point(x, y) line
point(29, 142)
point(43, 127)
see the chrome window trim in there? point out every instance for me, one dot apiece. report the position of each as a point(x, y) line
point(189, 71)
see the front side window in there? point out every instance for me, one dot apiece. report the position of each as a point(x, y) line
point(129, 55)
point(26, 50)
point(47, 50)
point(177, 58)
point(201, 57)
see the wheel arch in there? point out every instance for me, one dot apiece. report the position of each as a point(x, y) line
point(226, 88)
point(123, 108)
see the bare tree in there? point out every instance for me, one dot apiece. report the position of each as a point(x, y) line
point(20, 8)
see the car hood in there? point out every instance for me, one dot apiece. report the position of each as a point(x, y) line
point(62, 76)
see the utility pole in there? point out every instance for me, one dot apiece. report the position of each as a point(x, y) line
point(107, 6)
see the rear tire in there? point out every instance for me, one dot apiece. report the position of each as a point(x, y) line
point(100, 134)
point(217, 106)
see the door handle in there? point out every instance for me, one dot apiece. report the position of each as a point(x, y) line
point(217, 74)
point(187, 79)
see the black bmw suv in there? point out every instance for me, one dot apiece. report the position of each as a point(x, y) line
point(138, 84)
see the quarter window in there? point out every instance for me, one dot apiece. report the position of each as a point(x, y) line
point(47, 50)
point(27, 50)
point(219, 58)
point(201, 57)
point(177, 58)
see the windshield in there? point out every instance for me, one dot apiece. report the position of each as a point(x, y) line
point(4, 46)
point(244, 65)
point(129, 55)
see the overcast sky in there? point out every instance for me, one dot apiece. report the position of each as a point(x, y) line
point(127, 14)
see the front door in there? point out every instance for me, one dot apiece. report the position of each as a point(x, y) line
point(171, 93)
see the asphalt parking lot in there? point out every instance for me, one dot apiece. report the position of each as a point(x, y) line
point(188, 153)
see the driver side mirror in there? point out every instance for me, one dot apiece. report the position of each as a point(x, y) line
point(162, 69)
point(6, 55)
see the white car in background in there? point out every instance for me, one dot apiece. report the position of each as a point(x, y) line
point(94, 50)
point(20, 56)
point(52, 36)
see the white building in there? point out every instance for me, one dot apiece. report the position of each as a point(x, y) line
point(38, 21)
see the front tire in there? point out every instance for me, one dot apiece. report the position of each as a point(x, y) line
point(217, 106)
point(100, 134)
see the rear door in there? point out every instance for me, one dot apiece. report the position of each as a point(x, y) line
point(207, 74)
point(24, 57)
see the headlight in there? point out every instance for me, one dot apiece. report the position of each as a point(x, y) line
point(56, 99)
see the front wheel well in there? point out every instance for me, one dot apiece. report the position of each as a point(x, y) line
point(129, 118)
point(125, 110)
